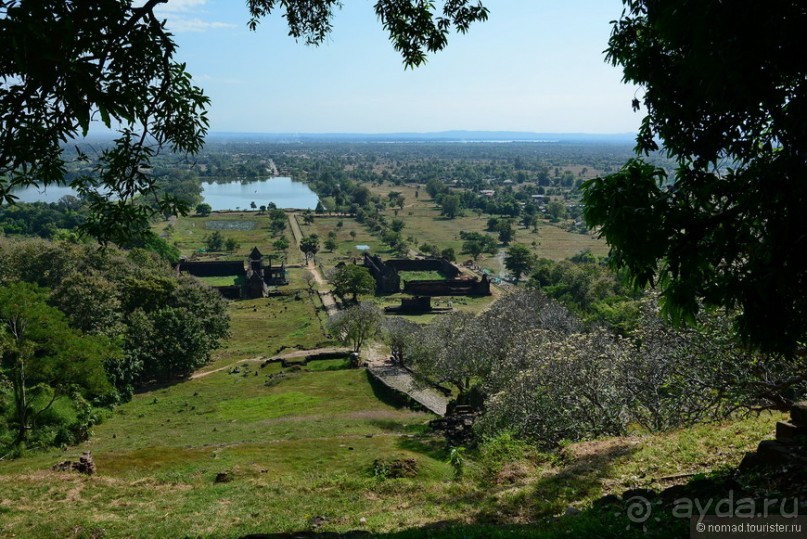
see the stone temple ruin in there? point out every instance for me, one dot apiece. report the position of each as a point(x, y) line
point(256, 276)
point(388, 279)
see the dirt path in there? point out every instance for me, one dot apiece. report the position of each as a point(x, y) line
point(287, 355)
point(295, 228)
point(401, 380)
point(322, 285)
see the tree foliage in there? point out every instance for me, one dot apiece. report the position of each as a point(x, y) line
point(725, 92)
point(352, 280)
point(309, 245)
point(356, 325)
point(450, 206)
point(475, 243)
point(518, 260)
point(444, 352)
point(43, 358)
point(67, 64)
point(415, 28)
point(203, 209)
point(400, 334)
point(169, 324)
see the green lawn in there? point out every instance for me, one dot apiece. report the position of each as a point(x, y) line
point(249, 229)
point(300, 443)
point(303, 445)
point(299, 447)
point(346, 250)
point(264, 327)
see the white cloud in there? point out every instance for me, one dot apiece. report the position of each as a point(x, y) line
point(181, 6)
point(188, 16)
point(183, 24)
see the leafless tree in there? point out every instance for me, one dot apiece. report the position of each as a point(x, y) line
point(356, 325)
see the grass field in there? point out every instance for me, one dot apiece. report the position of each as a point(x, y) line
point(425, 225)
point(298, 449)
point(346, 250)
point(266, 326)
point(249, 229)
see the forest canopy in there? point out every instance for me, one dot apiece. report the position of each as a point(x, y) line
point(98, 323)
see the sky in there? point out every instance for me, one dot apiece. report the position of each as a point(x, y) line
point(534, 66)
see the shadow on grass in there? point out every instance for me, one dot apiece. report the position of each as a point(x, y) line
point(593, 523)
point(579, 478)
point(432, 447)
point(154, 385)
point(387, 425)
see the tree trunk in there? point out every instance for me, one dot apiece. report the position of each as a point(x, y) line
point(20, 401)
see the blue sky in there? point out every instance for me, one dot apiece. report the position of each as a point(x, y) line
point(535, 65)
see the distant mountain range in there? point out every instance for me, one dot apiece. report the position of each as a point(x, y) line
point(441, 136)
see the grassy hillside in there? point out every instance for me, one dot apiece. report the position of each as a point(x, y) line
point(299, 446)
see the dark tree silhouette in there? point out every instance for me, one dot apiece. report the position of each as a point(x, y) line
point(725, 93)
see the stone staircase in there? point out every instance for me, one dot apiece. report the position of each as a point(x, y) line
point(790, 446)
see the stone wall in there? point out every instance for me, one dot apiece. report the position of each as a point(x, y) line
point(256, 275)
point(429, 264)
point(416, 305)
point(388, 281)
point(212, 269)
point(449, 287)
point(229, 292)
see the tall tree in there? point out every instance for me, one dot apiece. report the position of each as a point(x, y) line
point(203, 209)
point(353, 280)
point(356, 325)
point(450, 206)
point(43, 357)
point(67, 62)
point(399, 334)
point(725, 92)
point(445, 352)
point(518, 260)
point(309, 245)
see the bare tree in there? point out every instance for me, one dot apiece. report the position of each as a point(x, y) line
point(569, 391)
point(356, 325)
point(401, 335)
point(444, 352)
point(310, 282)
point(498, 330)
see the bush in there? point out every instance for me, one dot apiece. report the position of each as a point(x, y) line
point(395, 468)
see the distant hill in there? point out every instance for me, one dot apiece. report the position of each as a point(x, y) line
point(441, 136)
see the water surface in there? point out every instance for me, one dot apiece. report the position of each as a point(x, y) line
point(283, 191)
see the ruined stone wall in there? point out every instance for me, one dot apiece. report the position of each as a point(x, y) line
point(387, 280)
point(229, 292)
point(449, 287)
point(212, 269)
point(430, 264)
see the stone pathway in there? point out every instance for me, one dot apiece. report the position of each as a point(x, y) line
point(402, 381)
point(324, 294)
